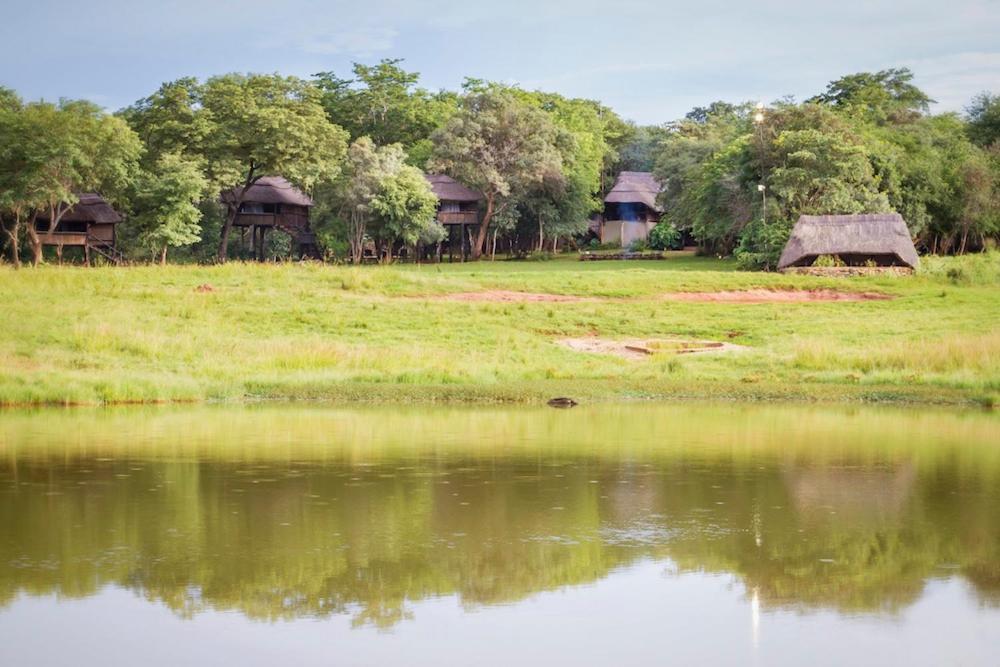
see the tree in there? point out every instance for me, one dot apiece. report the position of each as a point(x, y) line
point(54, 152)
point(383, 198)
point(499, 145)
point(12, 172)
point(405, 208)
point(880, 96)
point(384, 103)
point(984, 119)
point(240, 128)
point(266, 125)
point(167, 202)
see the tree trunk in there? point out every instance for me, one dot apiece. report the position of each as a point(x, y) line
point(234, 209)
point(231, 214)
point(14, 233)
point(541, 234)
point(36, 243)
point(163, 256)
point(484, 227)
point(357, 237)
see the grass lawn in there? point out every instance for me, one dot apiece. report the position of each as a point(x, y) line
point(76, 335)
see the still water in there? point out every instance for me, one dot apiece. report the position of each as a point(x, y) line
point(607, 535)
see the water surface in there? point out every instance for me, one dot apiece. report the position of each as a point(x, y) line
point(635, 534)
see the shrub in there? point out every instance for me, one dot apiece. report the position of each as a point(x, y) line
point(665, 237)
point(828, 261)
point(638, 245)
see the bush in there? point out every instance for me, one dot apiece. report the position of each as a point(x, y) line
point(828, 261)
point(665, 237)
point(638, 245)
point(761, 244)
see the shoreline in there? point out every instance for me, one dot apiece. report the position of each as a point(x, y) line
point(536, 394)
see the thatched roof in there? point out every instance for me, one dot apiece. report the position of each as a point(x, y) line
point(91, 208)
point(448, 189)
point(868, 234)
point(271, 190)
point(635, 187)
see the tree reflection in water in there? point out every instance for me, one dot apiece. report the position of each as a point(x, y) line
point(285, 512)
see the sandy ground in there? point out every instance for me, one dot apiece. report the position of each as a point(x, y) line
point(640, 348)
point(508, 296)
point(774, 296)
point(725, 296)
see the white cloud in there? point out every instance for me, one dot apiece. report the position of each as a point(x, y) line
point(360, 42)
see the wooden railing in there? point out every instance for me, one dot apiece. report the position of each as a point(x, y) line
point(458, 217)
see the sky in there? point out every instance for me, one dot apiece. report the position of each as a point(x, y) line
point(650, 61)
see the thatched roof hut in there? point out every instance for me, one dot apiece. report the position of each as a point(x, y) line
point(630, 208)
point(448, 189)
point(89, 224)
point(271, 190)
point(272, 203)
point(635, 187)
point(90, 209)
point(881, 238)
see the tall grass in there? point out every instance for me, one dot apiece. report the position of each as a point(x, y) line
point(74, 335)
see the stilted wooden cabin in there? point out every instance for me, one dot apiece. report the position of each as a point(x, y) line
point(630, 208)
point(458, 211)
point(882, 240)
point(274, 203)
point(90, 224)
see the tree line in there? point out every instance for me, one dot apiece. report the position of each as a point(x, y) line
point(543, 161)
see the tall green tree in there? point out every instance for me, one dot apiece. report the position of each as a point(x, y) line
point(382, 198)
point(385, 103)
point(240, 128)
point(983, 114)
point(404, 209)
point(166, 199)
point(52, 153)
point(886, 95)
point(499, 145)
point(266, 125)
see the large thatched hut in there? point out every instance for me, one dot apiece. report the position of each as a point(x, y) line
point(89, 224)
point(856, 240)
point(630, 208)
point(458, 211)
point(274, 203)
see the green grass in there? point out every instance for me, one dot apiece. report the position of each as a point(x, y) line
point(140, 334)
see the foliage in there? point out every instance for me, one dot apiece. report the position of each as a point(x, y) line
point(165, 204)
point(887, 95)
point(382, 198)
point(867, 145)
point(241, 128)
point(665, 236)
point(984, 119)
point(383, 103)
point(500, 146)
point(50, 153)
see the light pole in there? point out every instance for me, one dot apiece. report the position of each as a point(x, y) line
point(758, 121)
point(762, 189)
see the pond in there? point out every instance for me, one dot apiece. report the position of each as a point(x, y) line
point(611, 534)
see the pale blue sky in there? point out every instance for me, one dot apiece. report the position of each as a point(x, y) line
point(650, 61)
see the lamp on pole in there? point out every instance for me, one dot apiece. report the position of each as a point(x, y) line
point(762, 189)
point(758, 121)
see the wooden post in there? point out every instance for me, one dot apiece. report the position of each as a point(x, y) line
point(86, 254)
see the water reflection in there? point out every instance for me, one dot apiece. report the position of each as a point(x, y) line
point(290, 512)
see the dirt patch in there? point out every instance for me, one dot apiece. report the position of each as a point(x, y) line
point(640, 348)
point(508, 296)
point(775, 296)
